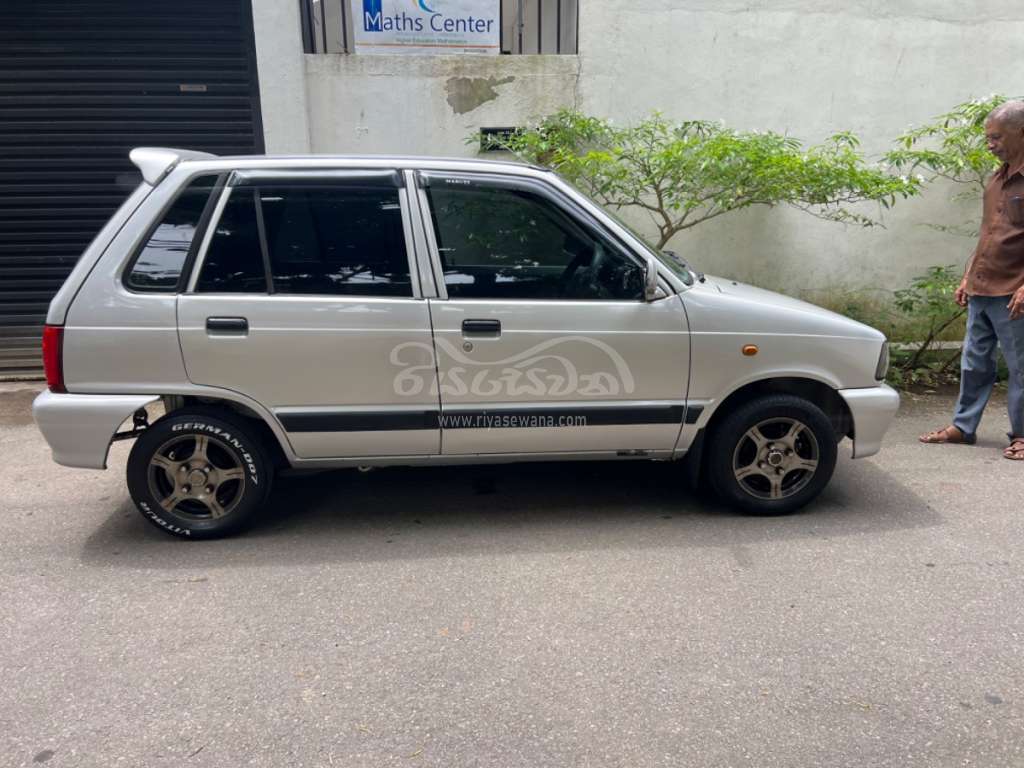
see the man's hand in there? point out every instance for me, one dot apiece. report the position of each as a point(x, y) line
point(1016, 305)
point(961, 293)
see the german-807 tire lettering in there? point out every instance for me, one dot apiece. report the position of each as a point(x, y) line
point(199, 473)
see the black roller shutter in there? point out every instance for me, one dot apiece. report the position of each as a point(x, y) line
point(82, 82)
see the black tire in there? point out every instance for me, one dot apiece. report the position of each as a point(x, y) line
point(215, 487)
point(742, 469)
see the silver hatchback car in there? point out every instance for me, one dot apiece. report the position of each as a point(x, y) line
point(316, 312)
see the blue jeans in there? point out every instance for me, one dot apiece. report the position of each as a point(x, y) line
point(988, 322)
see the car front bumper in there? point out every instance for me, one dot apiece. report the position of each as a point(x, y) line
point(873, 409)
point(79, 427)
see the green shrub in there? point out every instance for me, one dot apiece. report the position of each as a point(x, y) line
point(685, 173)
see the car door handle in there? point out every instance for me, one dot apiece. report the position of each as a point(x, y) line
point(227, 326)
point(481, 328)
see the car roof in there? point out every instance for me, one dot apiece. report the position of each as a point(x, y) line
point(156, 162)
point(408, 161)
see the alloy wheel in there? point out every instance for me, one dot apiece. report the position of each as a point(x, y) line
point(194, 476)
point(776, 458)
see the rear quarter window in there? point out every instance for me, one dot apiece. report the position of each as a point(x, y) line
point(158, 264)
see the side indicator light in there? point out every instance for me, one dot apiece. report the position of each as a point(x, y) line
point(750, 350)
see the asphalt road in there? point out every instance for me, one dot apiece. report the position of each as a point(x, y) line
point(532, 615)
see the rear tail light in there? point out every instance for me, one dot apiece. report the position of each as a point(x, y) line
point(53, 357)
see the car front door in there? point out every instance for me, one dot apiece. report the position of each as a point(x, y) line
point(544, 341)
point(304, 290)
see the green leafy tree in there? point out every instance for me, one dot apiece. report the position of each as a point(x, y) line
point(952, 147)
point(683, 174)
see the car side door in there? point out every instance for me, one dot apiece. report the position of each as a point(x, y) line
point(305, 286)
point(544, 340)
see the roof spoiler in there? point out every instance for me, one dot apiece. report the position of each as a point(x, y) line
point(156, 162)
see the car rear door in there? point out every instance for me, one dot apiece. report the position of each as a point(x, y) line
point(544, 341)
point(304, 294)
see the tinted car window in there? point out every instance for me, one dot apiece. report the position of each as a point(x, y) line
point(499, 243)
point(159, 262)
point(336, 240)
point(234, 261)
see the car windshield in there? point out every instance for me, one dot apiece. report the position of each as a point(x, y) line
point(675, 263)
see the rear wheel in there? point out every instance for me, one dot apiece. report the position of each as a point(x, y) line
point(772, 455)
point(199, 473)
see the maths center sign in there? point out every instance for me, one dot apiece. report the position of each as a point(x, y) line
point(427, 26)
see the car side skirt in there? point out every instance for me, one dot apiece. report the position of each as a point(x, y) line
point(481, 458)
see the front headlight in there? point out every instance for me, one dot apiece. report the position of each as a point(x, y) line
point(883, 362)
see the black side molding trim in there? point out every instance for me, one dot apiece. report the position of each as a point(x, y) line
point(693, 413)
point(375, 421)
point(498, 418)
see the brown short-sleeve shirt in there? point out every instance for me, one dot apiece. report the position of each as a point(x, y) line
point(997, 266)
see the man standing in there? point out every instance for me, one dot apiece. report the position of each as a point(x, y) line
point(993, 290)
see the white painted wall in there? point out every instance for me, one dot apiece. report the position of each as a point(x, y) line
point(280, 68)
point(806, 67)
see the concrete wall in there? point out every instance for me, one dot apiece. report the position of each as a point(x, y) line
point(808, 68)
point(428, 105)
point(280, 67)
point(805, 67)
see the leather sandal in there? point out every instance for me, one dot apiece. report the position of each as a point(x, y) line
point(1015, 450)
point(949, 434)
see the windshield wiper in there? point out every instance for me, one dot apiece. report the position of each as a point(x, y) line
point(686, 265)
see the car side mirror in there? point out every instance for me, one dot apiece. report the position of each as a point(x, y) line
point(651, 290)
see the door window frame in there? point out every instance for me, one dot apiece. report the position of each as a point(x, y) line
point(243, 181)
point(569, 207)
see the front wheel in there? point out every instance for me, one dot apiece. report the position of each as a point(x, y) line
point(199, 473)
point(772, 455)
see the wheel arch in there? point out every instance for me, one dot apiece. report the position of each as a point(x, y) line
point(272, 435)
point(816, 391)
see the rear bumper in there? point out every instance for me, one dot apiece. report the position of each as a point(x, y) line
point(873, 409)
point(79, 427)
